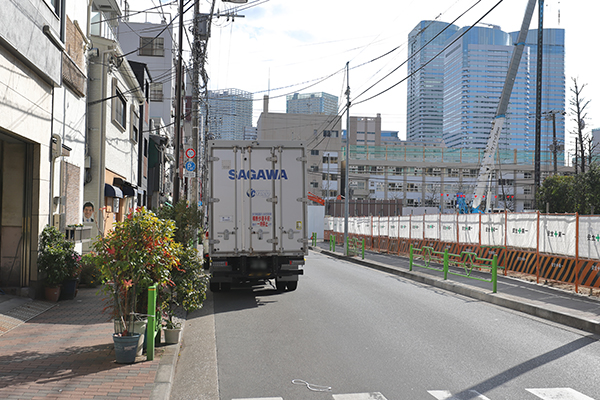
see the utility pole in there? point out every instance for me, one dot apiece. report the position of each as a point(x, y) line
point(195, 110)
point(347, 168)
point(178, 77)
point(538, 97)
point(555, 147)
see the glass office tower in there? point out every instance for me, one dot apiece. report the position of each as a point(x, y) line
point(425, 93)
point(455, 97)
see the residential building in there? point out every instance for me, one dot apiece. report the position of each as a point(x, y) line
point(42, 130)
point(114, 99)
point(141, 131)
point(230, 113)
point(321, 135)
point(146, 38)
point(425, 88)
point(312, 103)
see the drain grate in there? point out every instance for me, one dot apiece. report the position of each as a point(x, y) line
point(21, 314)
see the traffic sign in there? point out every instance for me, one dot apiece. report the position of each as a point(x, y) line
point(190, 153)
point(190, 166)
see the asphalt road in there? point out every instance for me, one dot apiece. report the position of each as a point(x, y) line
point(364, 332)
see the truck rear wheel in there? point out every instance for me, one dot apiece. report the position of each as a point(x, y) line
point(292, 285)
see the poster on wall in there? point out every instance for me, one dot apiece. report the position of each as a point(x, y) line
point(89, 213)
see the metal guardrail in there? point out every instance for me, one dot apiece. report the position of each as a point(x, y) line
point(354, 247)
point(466, 259)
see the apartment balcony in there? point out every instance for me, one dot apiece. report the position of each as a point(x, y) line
point(101, 26)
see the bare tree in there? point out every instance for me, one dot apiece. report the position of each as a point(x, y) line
point(578, 106)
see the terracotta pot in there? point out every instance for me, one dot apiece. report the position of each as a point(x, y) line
point(52, 293)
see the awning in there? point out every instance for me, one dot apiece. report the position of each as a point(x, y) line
point(128, 190)
point(112, 191)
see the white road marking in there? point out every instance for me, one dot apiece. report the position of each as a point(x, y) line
point(359, 396)
point(446, 395)
point(262, 398)
point(559, 394)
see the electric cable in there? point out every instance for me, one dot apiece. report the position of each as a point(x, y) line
point(429, 61)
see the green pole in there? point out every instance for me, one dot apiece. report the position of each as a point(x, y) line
point(363, 248)
point(333, 244)
point(410, 258)
point(446, 263)
point(495, 273)
point(151, 326)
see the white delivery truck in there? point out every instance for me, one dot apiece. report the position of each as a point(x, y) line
point(256, 199)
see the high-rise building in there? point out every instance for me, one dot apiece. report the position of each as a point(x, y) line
point(475, 69)
point(425, 96)
point(230, 113)
point(312, 103)
point(553, 89)
point(455, 96)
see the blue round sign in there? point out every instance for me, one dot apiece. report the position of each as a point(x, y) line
point(190, 166)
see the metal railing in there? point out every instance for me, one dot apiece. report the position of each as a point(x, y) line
point(466, 259)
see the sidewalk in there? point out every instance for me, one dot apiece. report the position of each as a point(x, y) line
point(566, 308)
point(64, 350)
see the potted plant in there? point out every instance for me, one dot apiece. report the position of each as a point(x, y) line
point(186, 290)
point(188, 283)
point(73, 269)
point(53, 253)
point(137, 253)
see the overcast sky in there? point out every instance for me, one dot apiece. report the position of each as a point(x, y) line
point(286, 46)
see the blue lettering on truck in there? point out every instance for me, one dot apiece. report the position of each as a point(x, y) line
point(269, 174)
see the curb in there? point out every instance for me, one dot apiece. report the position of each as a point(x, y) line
point(163, 382)
point(498, 299)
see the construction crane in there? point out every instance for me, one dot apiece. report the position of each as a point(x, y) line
point(485, 172)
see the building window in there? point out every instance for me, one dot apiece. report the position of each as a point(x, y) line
point(314, 184)
point(314, 152)
point(135, 124)
point(527, 175)
point(156, 92)
point(150, 46)
point(119, 107)
point(314, 168)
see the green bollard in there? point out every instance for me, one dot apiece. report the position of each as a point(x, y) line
point(495, 273)
point(151, 326)
point(446, 263)
point(363, 248)
point(410, 258)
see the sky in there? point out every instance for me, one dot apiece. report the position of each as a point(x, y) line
point(281, 47)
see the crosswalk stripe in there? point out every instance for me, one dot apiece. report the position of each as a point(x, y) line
point(359, 396)
point(262, 398)
point(559, 394)
point(446, 395)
